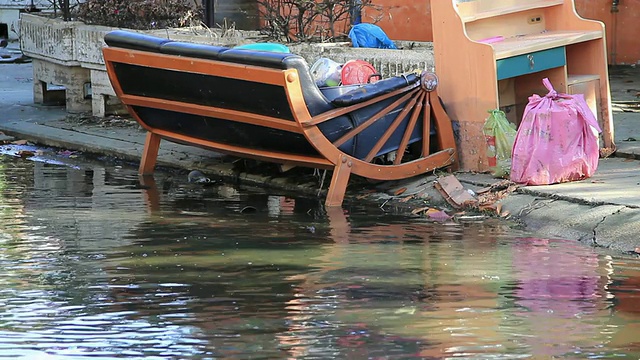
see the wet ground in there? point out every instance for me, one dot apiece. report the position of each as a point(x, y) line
point(94, 265)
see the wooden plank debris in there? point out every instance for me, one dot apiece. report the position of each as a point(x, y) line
point(453, 192)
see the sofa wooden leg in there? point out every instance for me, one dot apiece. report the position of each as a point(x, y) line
point(149, 154)
point(339, 182)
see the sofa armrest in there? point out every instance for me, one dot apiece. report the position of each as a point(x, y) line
point(370, 91)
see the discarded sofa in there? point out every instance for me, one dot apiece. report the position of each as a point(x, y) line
point(266, 106)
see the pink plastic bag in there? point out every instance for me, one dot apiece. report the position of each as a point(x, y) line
point(557, 140)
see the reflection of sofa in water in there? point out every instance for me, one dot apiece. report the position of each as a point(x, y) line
point(266, 106)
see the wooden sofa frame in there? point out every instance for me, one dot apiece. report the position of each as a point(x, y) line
point(258, 102)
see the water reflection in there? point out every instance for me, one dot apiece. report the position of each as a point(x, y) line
point(557, 291)
point(97, 263)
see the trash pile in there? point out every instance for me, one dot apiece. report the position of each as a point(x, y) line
point(140, 14)
point(113, 120)
point(444, 198)
point(328, 73)
point(370, 36)
point(557, 141)
point(25, 149)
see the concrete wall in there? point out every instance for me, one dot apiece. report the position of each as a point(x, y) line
point(403, 19)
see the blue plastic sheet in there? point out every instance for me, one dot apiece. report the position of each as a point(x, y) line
point(370, 36)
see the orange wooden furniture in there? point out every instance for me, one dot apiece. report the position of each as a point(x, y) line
point(266, 106)
point(491, 54)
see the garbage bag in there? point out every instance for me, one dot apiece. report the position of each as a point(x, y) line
point(326, 72)
point(370, 36)
point(359, 72)
point(557, 140)
point(499, 135)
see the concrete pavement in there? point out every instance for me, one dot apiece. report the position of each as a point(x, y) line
point(601, 211)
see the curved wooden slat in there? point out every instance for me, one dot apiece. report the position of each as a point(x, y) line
point(394, 125)
point(375, 171)
point(212, 111)
point(405, 170)
point(409, 130)
point(426, 126)
point(373, 119)
point(332, 114)
point(264, 155)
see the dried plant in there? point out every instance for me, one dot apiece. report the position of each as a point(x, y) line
point(65, 7)
point(287, 20)
point(309, 20)
point(140, 14)
point(335, 17)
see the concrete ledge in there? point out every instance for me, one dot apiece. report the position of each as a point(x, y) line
point(103, 98)
point(49, 39)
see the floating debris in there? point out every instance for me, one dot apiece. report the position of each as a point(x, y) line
point(25, 153)
point(197, 177)
point(438, 215)
point(471, 218)
point(248, 210)
point(400, 191)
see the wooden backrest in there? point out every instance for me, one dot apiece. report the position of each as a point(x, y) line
point(231, 95)
point(240, 97)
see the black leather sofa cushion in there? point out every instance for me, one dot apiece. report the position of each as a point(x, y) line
point(200, 51)
point(258, 58)
point(316, 102)
point(134, 41)
point(370, 91)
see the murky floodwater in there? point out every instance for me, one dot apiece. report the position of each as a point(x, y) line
point(95, 266)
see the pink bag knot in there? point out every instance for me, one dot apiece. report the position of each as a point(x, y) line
point(552, 92)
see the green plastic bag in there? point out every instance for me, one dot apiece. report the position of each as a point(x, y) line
point(500, 135)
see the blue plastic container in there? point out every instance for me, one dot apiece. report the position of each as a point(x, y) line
point(271, 47)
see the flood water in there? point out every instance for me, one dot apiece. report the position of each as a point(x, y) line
point(95, 266)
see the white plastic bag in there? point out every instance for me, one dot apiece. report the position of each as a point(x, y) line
point(326, 72)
